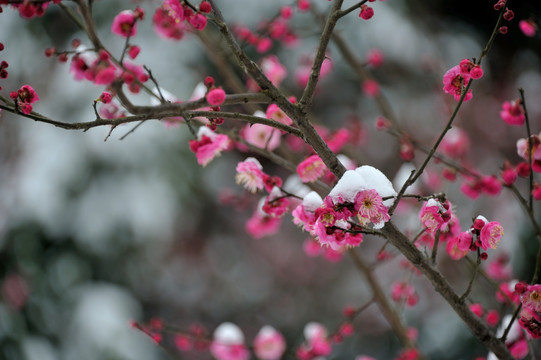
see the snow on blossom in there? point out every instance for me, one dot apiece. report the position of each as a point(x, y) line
point(250, 174)
point(208, 145)
point(276, 203)
point(375, 179)
point(261, 136)
point(269, 344)
point(512, 112)
point(304, 214)
point(317, 343)
point(515, 340)
point(433, 215)
point(454, 82)
point(348, 186)
point(311, 169)
point(228, 343)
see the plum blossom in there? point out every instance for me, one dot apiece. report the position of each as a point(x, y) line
point(275, 203)
point(433, 215)
point(215, 96)
point(490, 236)
point(317, 343)
point(277, 114)
point(250, 175)
point(261, 136)
point(228, 343)
point(512, 112)
point(304, 214)
point(371, 209)
point(124, 24)
point(269, 344)
point(454, 82)
point(311, 169)
point(208, 145)
point(25, 97)
point(456, 143)
point(262, 224)
point(404, 292)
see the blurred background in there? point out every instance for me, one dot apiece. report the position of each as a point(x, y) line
point(95, 234)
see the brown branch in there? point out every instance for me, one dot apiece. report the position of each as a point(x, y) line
point(298, 116)
point(383, 303)
point(308, 94)
point(249, 118)
point(440, 284)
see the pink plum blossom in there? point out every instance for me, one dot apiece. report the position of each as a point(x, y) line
point(304, 214)
point(25, 97)
point(454, 81)
point(208, 145)
point(277, 114)
point(275, 203)
point(261, 224)
point(316, 345)
point(216, 97)
point(124, 24)
point(366, 12)
point(456, 143)
point(512, 112)
point(531, 298)
point(261, 136)
point(311, 169)
point(491, 235)
point(369, 205)
point(273, 69)
point(432, 215)
point(250, 175)
point(404, 292)
point(269, 344)
point(374, 57)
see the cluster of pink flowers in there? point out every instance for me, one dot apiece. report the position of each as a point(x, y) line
point(29, 9)
point(404, 292)
point(266, 219)
point(276, 30)
point(228, 343)
point(457, 78)
point(358, 194)
point(482, 234)
point(24, 98)
point(125, 23)
point(208, 145)
point(173, 18)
